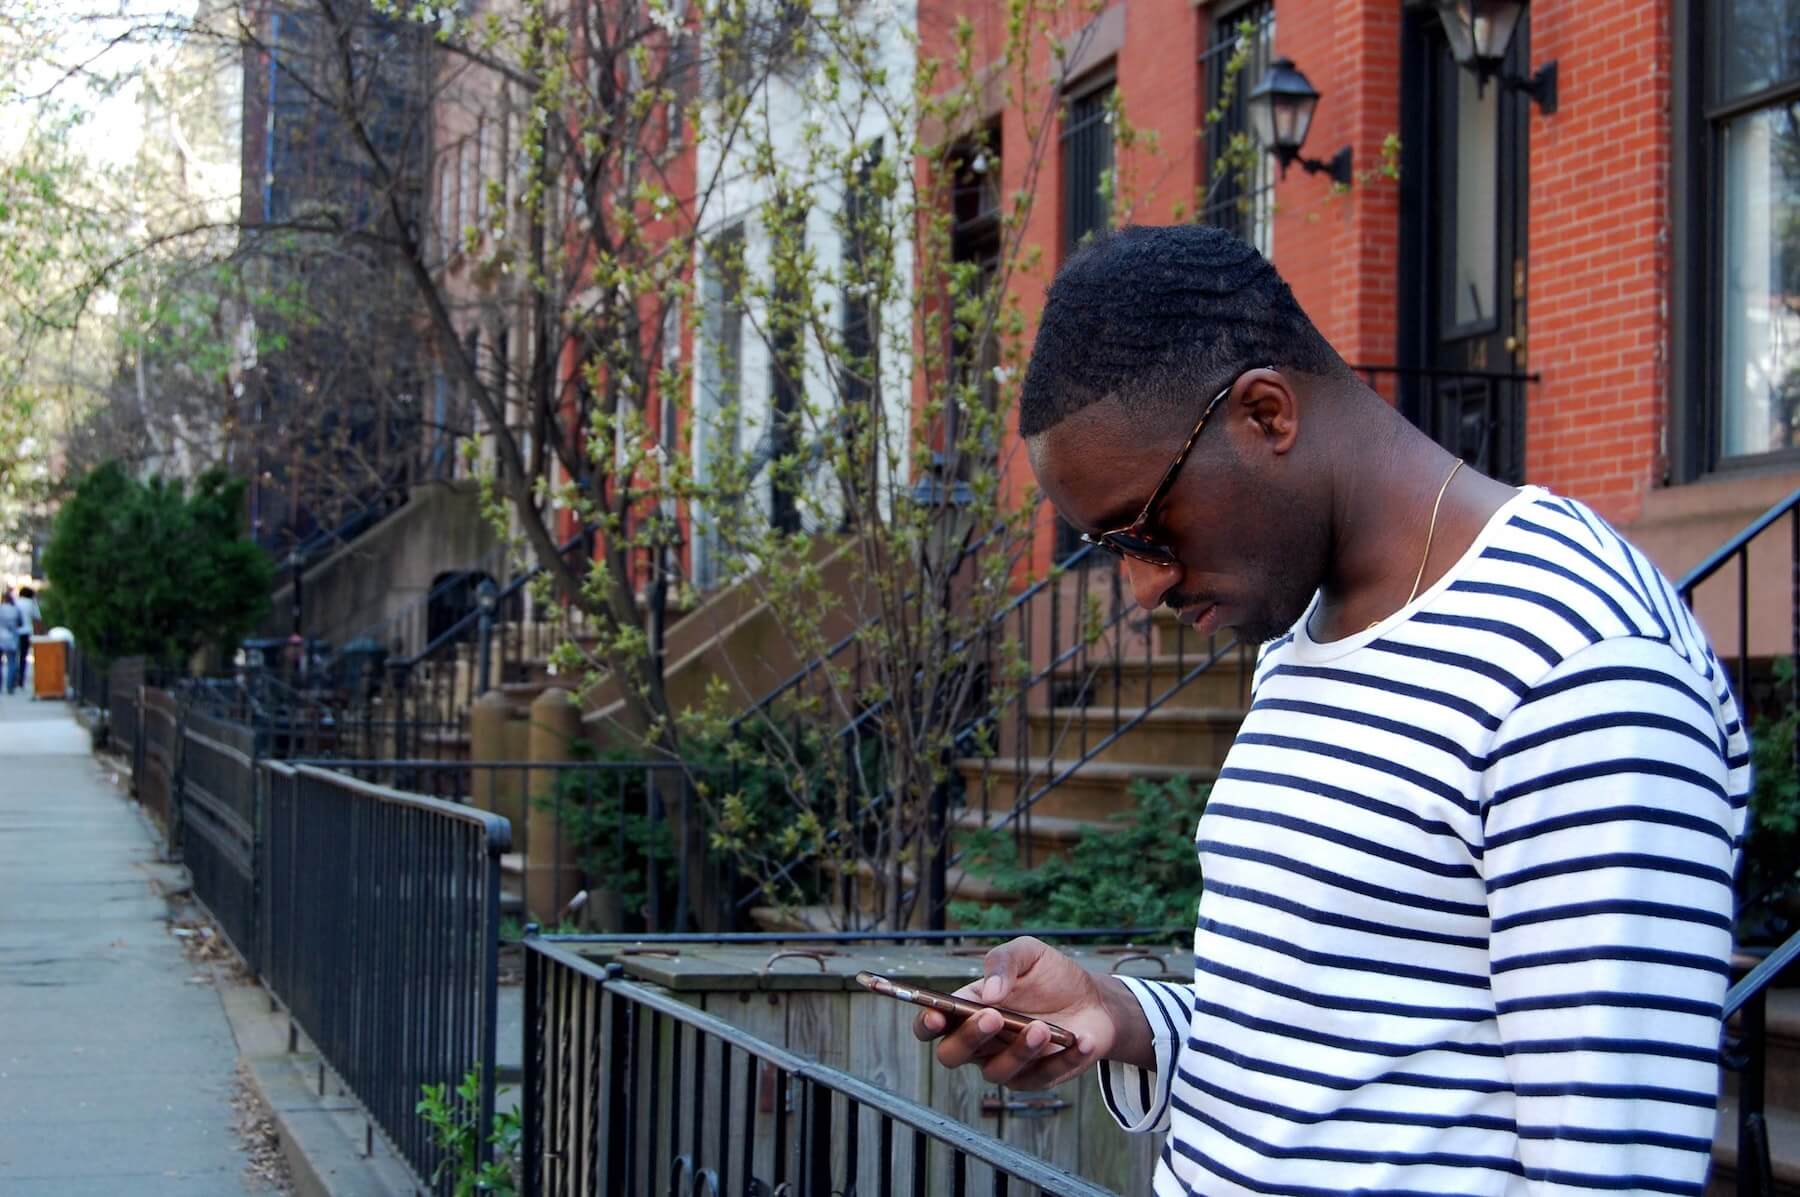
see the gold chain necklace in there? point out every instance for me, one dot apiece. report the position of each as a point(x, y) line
point(1430, 535)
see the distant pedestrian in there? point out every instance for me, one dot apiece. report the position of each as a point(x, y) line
point(33, 615)
point(12, 620)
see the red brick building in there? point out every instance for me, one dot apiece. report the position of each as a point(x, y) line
point(1587, 292)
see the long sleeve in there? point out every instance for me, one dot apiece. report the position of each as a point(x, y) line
point(1612, 812)
point(1138, 1099)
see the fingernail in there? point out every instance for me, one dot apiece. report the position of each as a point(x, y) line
point(991, 989)
point(1034, 1038)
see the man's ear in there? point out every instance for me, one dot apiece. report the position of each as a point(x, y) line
point(1268, 399)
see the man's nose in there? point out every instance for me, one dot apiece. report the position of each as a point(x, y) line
point(1150, 582)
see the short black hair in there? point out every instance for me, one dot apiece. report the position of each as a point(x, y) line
point(1158, 318)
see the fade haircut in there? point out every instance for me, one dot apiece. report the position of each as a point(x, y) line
point(1158, 319)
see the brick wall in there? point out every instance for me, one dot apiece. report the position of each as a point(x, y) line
point(1599, 196)
point(1599, 253)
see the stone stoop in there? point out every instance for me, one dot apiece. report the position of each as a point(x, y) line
point(1188, 735)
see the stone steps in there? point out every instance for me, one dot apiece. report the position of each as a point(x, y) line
point(1191, 737)
point(1095, 791)
point(1138, 680)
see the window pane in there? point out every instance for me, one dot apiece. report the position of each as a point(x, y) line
point(1759, 44)
point(1087, 148)
point(1761, 350)
point(1239, 193)
point(1475, 261)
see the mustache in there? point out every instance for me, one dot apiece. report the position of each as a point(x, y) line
point(1180, 602)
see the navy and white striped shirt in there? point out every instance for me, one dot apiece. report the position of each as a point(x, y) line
point(1468, 901)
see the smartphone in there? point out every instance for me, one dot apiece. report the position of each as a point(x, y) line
point(955, 1009)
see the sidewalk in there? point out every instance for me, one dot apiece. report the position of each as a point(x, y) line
point(116, 1069)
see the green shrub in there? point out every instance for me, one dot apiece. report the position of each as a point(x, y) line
point(1770, 875)
point(149, 569)
point(1140, 871)
point(607, 814)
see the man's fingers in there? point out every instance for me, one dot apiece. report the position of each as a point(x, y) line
point(1019, 1054)
point(928, 1025)
point(1049, 1071)
point(968, 1041)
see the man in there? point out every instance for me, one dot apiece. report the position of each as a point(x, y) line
point(1468, 903)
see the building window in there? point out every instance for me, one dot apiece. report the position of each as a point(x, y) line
point(1237, 193)
point(720, 351)
point(1087, 162)
point(862, 260)
point(1742, 234)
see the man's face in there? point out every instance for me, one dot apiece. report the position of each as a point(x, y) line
point(1248, 556)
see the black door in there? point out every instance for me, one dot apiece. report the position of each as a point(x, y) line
point(1463, 276)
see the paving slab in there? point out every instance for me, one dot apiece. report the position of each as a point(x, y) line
point(116, 1063)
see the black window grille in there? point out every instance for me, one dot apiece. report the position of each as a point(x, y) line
point(1238, 196)
point(1087, 159)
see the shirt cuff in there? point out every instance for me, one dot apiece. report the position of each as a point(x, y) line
point(1138, 1098)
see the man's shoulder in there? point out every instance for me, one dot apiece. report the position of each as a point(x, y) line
point(1559, 573)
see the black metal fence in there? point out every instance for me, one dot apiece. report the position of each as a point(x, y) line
point(156, 768)
point(124, 678)
point(218, 822)
point(89, 678)
point(608, 825)
point(381, 924)
point(630, 1091)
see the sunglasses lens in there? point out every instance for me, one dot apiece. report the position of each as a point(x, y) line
point(1143, 549)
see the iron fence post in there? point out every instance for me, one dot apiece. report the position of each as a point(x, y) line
point(531, 1099)
point(1754, 1171)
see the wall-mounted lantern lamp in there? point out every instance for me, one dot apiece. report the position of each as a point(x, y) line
point(1281, 113)
point(1480, 33)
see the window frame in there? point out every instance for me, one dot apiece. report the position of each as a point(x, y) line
point(1257, 226)
point(1103, 79)
point(1695, 426)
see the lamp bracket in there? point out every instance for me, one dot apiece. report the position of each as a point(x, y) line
point(1541, 87)
point(1338, 168)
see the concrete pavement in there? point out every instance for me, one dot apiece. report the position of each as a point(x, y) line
point(116, 1064)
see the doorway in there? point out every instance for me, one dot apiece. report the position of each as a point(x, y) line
point(1463, 261)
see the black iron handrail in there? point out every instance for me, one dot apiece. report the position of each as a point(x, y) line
point(1061, 657)
point(1737, 550)
point(1736, 545)
point(595, 1123)
point(1746, 1052)
point(850, 639)
point(1759, 979)
point(462, 628)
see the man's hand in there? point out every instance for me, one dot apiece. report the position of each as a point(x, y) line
point(1034, 978)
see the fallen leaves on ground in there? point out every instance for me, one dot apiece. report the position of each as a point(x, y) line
point(267, 1169)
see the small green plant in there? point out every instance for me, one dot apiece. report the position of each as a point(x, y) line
point(1141, 871)
point(453, 1128)
point(1770, 876)
point(511, 931)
